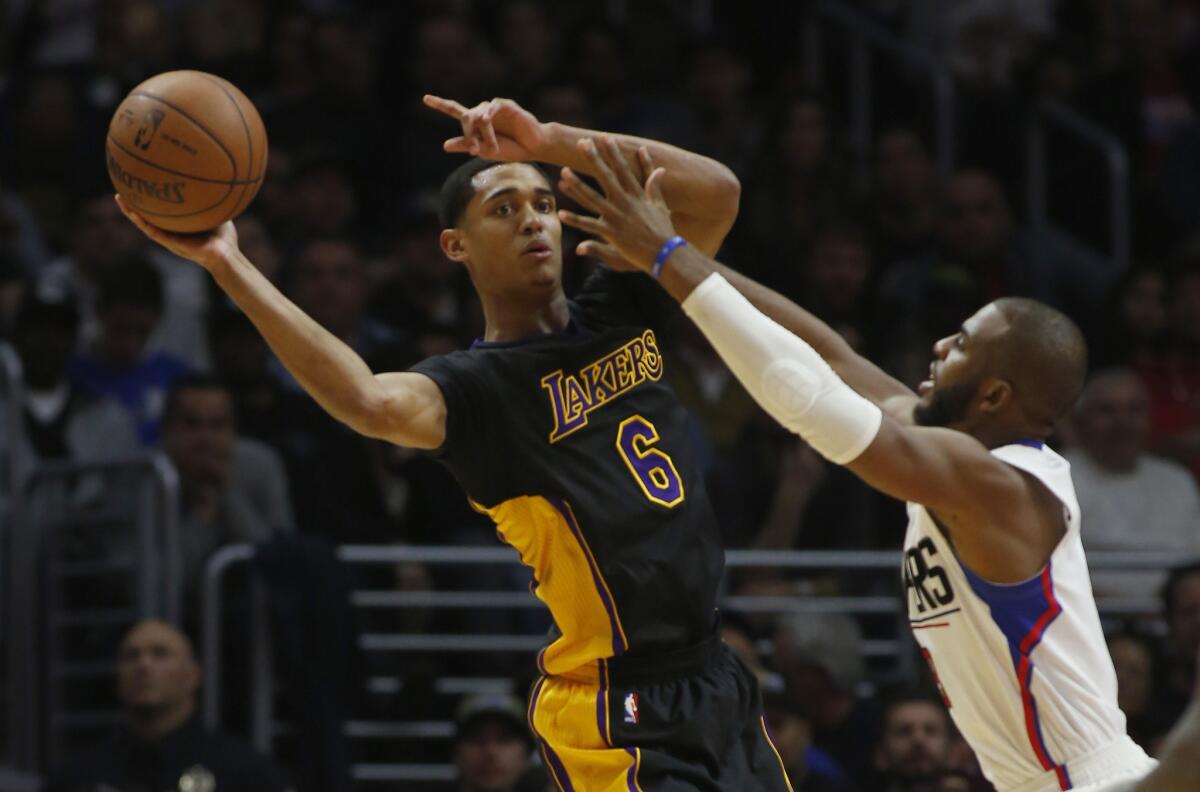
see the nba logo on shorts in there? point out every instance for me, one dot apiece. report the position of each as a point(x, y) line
point(631, 710)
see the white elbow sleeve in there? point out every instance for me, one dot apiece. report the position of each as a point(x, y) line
point(784, 374)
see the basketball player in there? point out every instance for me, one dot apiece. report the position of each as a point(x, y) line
point(559, 424)
point(999, 595)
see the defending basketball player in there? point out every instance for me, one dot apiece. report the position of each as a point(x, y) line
point(999, 595)
point(560, 425)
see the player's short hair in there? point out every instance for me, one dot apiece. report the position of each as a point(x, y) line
point(458, 189)
point(132, 281)
point(1044, 355)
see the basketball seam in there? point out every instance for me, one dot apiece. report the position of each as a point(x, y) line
point(172, 171)
point(202, 127)
point(237, 206)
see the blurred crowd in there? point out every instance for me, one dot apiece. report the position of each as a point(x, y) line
point(125, 348)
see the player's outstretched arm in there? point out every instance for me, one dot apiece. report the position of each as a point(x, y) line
point(995, 514)
point(404, 408)
point(623, 178)
point(703, 194)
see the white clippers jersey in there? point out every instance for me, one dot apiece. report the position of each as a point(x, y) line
point(1024, 667)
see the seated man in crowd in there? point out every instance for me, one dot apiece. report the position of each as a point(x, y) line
point(162, 744)
point(1132, 500)
point(493, 747)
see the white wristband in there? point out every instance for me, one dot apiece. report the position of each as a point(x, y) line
point(784, 374)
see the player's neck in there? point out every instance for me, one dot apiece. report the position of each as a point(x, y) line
point(510, 321)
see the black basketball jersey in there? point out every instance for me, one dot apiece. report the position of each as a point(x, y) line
point(577, 448)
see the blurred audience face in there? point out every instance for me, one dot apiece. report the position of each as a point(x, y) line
point(446, 60)
point(915, 742)
point(792, 736)
point(600, 63)
point(838, 268)
point(330, 285)
point(903, 169)
point(1185, 309)
point(49, 117)
point(1143, 306)
point(527, 38)
point(975, 222)
point(1183, 618)
point(199, 436)
point(125, 329)
point(804, 139)
point(1135, 667)
point(1113, 419)
point(101, 235)
point(323, 200)
point(718, 82)
point(491, 757)
point(566, 104)
point(156, 671)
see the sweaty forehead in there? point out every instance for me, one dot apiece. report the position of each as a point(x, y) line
point(987, 323)
point(520, 175)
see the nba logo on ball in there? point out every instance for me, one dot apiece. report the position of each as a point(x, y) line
point(631, 710)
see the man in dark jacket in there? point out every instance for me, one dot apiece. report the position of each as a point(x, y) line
point(162, 746)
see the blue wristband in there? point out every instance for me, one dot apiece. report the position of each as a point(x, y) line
point(664, 253)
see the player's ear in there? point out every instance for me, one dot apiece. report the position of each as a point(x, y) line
point(453, 244)
point(996, 394)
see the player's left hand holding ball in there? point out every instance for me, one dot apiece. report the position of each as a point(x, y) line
point(632, 220)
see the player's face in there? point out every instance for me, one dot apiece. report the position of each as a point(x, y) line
point(491, 757)
point(510, 233)
point(958, 369)
point(915, 742)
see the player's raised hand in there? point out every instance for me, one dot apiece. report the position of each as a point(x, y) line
point(632, 219)
point(207, 249)
point(499, 129)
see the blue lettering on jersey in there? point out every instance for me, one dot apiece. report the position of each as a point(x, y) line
point(573, 396)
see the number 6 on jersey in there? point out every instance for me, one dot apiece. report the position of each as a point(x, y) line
point(653, 469)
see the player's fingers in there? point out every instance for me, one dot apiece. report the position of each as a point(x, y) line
point(588, 225)
point(600, 168)
point(654, 185)
point(645, 165)
point(470, 133)
point(574, 188)
point(456, 145)
point(488, 132)
point(619, 163)
point(447, 106)
point(594, 248)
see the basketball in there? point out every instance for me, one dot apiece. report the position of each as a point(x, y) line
point(187, 150)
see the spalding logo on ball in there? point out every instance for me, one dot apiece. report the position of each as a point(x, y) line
point(187, 150)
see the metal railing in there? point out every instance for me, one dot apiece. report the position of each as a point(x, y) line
point(111, 526)
point(1048, 114)
point(897, 651)
point(868, 40)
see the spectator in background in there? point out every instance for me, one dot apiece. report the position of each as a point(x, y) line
point(229, 493)
point(1131, 500)
point(20, 236)
point(1181, 609)
point(820, 657)
point(809, 768)
point(61, 420)
point(1135, 658)
point(329, 283)
point(796, 186)
point(529, 46)
point(493, 746)
point(119, 364)
point(1131, 329)
point(100, 241)
point(981, 255)
point(903, 209)
point(1174, 377)
point(836, 285)
point(323, 197)
point(718, 85)
point(162, 743)
point(912, 754)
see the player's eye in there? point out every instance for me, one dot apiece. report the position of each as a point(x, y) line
point(504, 209)
point(545, 206)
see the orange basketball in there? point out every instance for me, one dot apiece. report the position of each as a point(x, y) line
point(187, 150)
